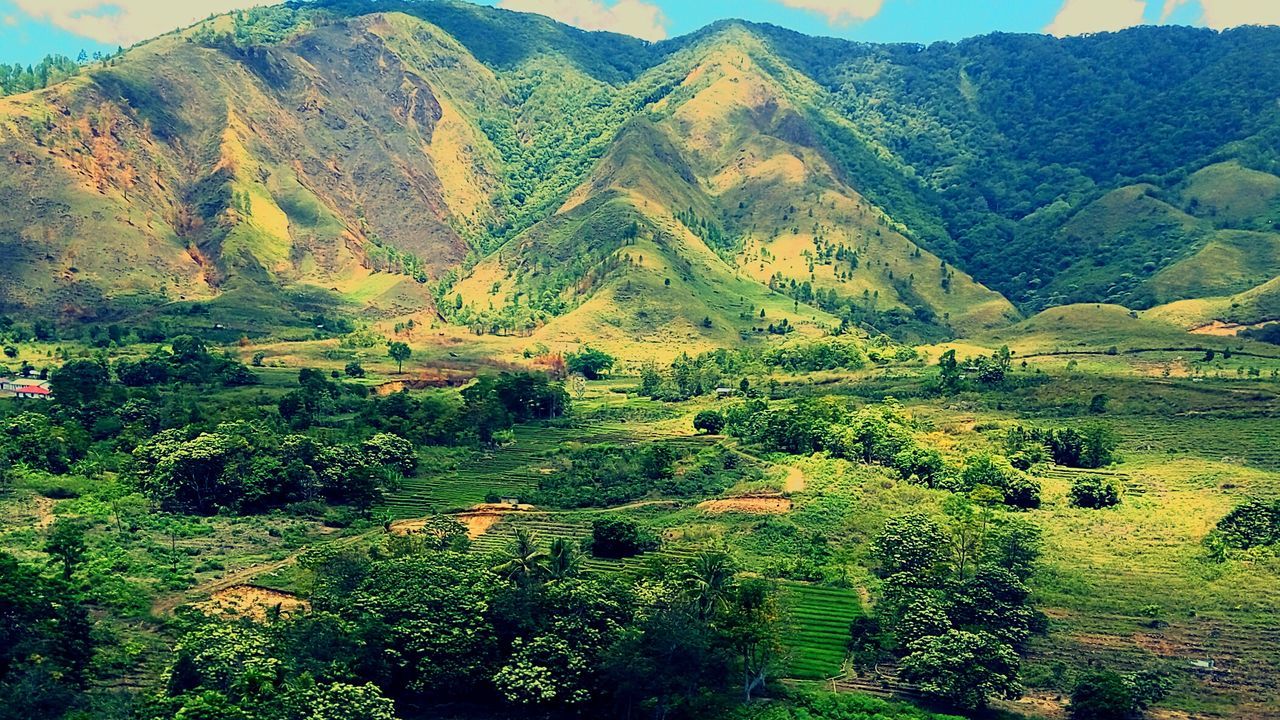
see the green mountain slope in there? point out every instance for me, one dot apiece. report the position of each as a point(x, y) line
point(316, 158)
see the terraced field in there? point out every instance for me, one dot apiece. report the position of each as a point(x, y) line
point(1254, 441)
point(1132, 587)
point(817, 634)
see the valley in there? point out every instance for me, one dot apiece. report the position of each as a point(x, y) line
point(430, 360)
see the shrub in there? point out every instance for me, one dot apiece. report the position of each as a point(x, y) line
point(619, 537)
point(1108, 695)
point(1094, 491)
point(1253, 524)
point(1018, 489)
point(1102, 695)
point(709, 421)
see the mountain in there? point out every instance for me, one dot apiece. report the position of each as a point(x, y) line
point(434, 159)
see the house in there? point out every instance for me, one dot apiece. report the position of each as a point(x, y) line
point(26, 388)
point(33, 392)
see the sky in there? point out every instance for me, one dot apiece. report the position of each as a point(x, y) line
point(30, 29)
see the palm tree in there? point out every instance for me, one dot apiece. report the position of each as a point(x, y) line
point(564, 559)
point(710, 579)
point(526, 562)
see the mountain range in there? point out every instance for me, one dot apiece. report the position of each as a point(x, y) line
point(448, 162)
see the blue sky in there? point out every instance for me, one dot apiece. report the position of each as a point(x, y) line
point(30, 29)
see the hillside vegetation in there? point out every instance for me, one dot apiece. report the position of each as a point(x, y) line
point(510, 175)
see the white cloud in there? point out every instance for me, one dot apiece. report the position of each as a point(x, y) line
point(839, 12)
point(630, 17)
point(1220, 14)
point(124, 22)
point(1085, 16)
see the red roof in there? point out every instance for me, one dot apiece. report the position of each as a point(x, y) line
point(33, 390)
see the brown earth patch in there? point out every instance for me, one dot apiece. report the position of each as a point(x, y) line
point(253, 602)
point(1224, 329)
point(478, 523)
point(478, 519)
point(1037, 704)
point(501, 507)
point(423, 380)
point(43, 509)
point(770, 505)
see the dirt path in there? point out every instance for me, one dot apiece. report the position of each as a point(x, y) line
point(753, 505)
point(43, 509)
point(795, 481)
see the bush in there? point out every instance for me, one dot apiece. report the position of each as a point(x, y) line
point(1253, 524)
point(709, 421)
point(1108, 695)
point(619, 537)
point(1018, 489)
point(1094, 491)
point(1102, 695)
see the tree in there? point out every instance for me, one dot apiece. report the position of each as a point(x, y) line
point(392, 451)
point(545, 670)
point(46, 644)
point(188, 349)
point(66, 545)
point(199, 475)
point(564, 559)
point(1099, 446)
point(341, 701)
point(666, 664)
point(399, 352)
point(710, 422)
point(709, 580)
point(10, 351)
point(150, 370)
point(354, 370)
point(963, 669)
point(432, 609)
point(79, 382)
point(590, 362)
point(995, 471)
point(949, 371)
point(32, 439)
point(618, 537)
point(1102, 695)
point(912, 545)
point(650, 380)
point(526, 562)
point(751, 622)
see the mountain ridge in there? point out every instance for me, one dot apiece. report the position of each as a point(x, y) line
point(384, 164)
